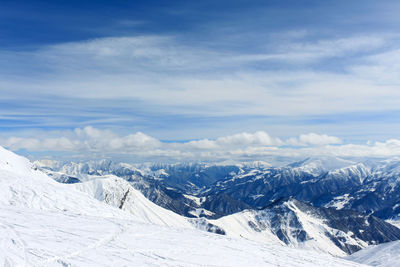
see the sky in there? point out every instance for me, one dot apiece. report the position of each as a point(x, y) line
point(200, 80)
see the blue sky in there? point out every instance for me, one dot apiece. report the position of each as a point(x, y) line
point(77, 73)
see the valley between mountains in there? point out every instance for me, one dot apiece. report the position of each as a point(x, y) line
point(309, 213)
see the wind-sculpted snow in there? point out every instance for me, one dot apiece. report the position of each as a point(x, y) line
point(384, 255)
point(10, 162)
point(38, 238)
point(46, 223)
point(27, 187)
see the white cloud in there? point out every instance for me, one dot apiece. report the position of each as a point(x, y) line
point(88, 139)
point(83, 83)
point(200, 80)
point(382, 68)
point(245, 139)
point(204, 144)
point(308, 52)
point(137, 141)
point(313, 139)
point(259, 138)
point(242, 146)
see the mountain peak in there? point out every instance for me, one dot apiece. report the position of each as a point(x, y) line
point(319, 165)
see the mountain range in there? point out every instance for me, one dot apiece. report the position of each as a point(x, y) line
point(47, 223)
point(213, 191)
point(331, 205)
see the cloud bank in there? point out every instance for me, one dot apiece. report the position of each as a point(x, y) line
point(159, 84)
point(240, 147)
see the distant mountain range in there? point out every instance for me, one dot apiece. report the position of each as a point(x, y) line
point(370, 186)
point(331, 205)
point(104, 221)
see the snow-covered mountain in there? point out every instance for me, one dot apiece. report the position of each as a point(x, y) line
point(261, 199)
point(394, 222)
point(31, 188)
point(23, 186)
point(383, 255)
point(296, 224)
point(320, 165)
point(46, 223)
point(149, 181)
point(119, 193)
point(369, 187)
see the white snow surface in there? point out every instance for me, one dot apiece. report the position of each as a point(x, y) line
point(200, 212)
point(23, 186)
point(319, 165)
point(38, 238)
point(197, 200)
point(395, 222)
point(237, 225)
point(119, 193)
point(255, 225)
point(339, 202)
point(44, 223)
point(383, 255)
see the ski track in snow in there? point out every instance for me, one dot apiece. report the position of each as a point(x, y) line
point(101, 242)
point(45, 223)
point(96, 241)
point(21, 241)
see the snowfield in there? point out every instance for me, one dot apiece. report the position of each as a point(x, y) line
point(120, 194)
point(394, 222)
point(45, 223)
point(36, 238)
point(255, 225)
point(383, 255)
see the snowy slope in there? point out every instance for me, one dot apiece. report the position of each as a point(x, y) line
point(83, 170)
point(119, 193)
point(143, 180)
point(256, 225)
point(319, 165)
point(24, 186)
point(369, 185)
point(394, 222)
point(38, 238)
point(299, 225)
point(383, 255)
point(45, 223)
point(243, 225)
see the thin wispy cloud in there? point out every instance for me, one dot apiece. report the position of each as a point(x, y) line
point(153, 69)
point(173, 74)
point(312, 52)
